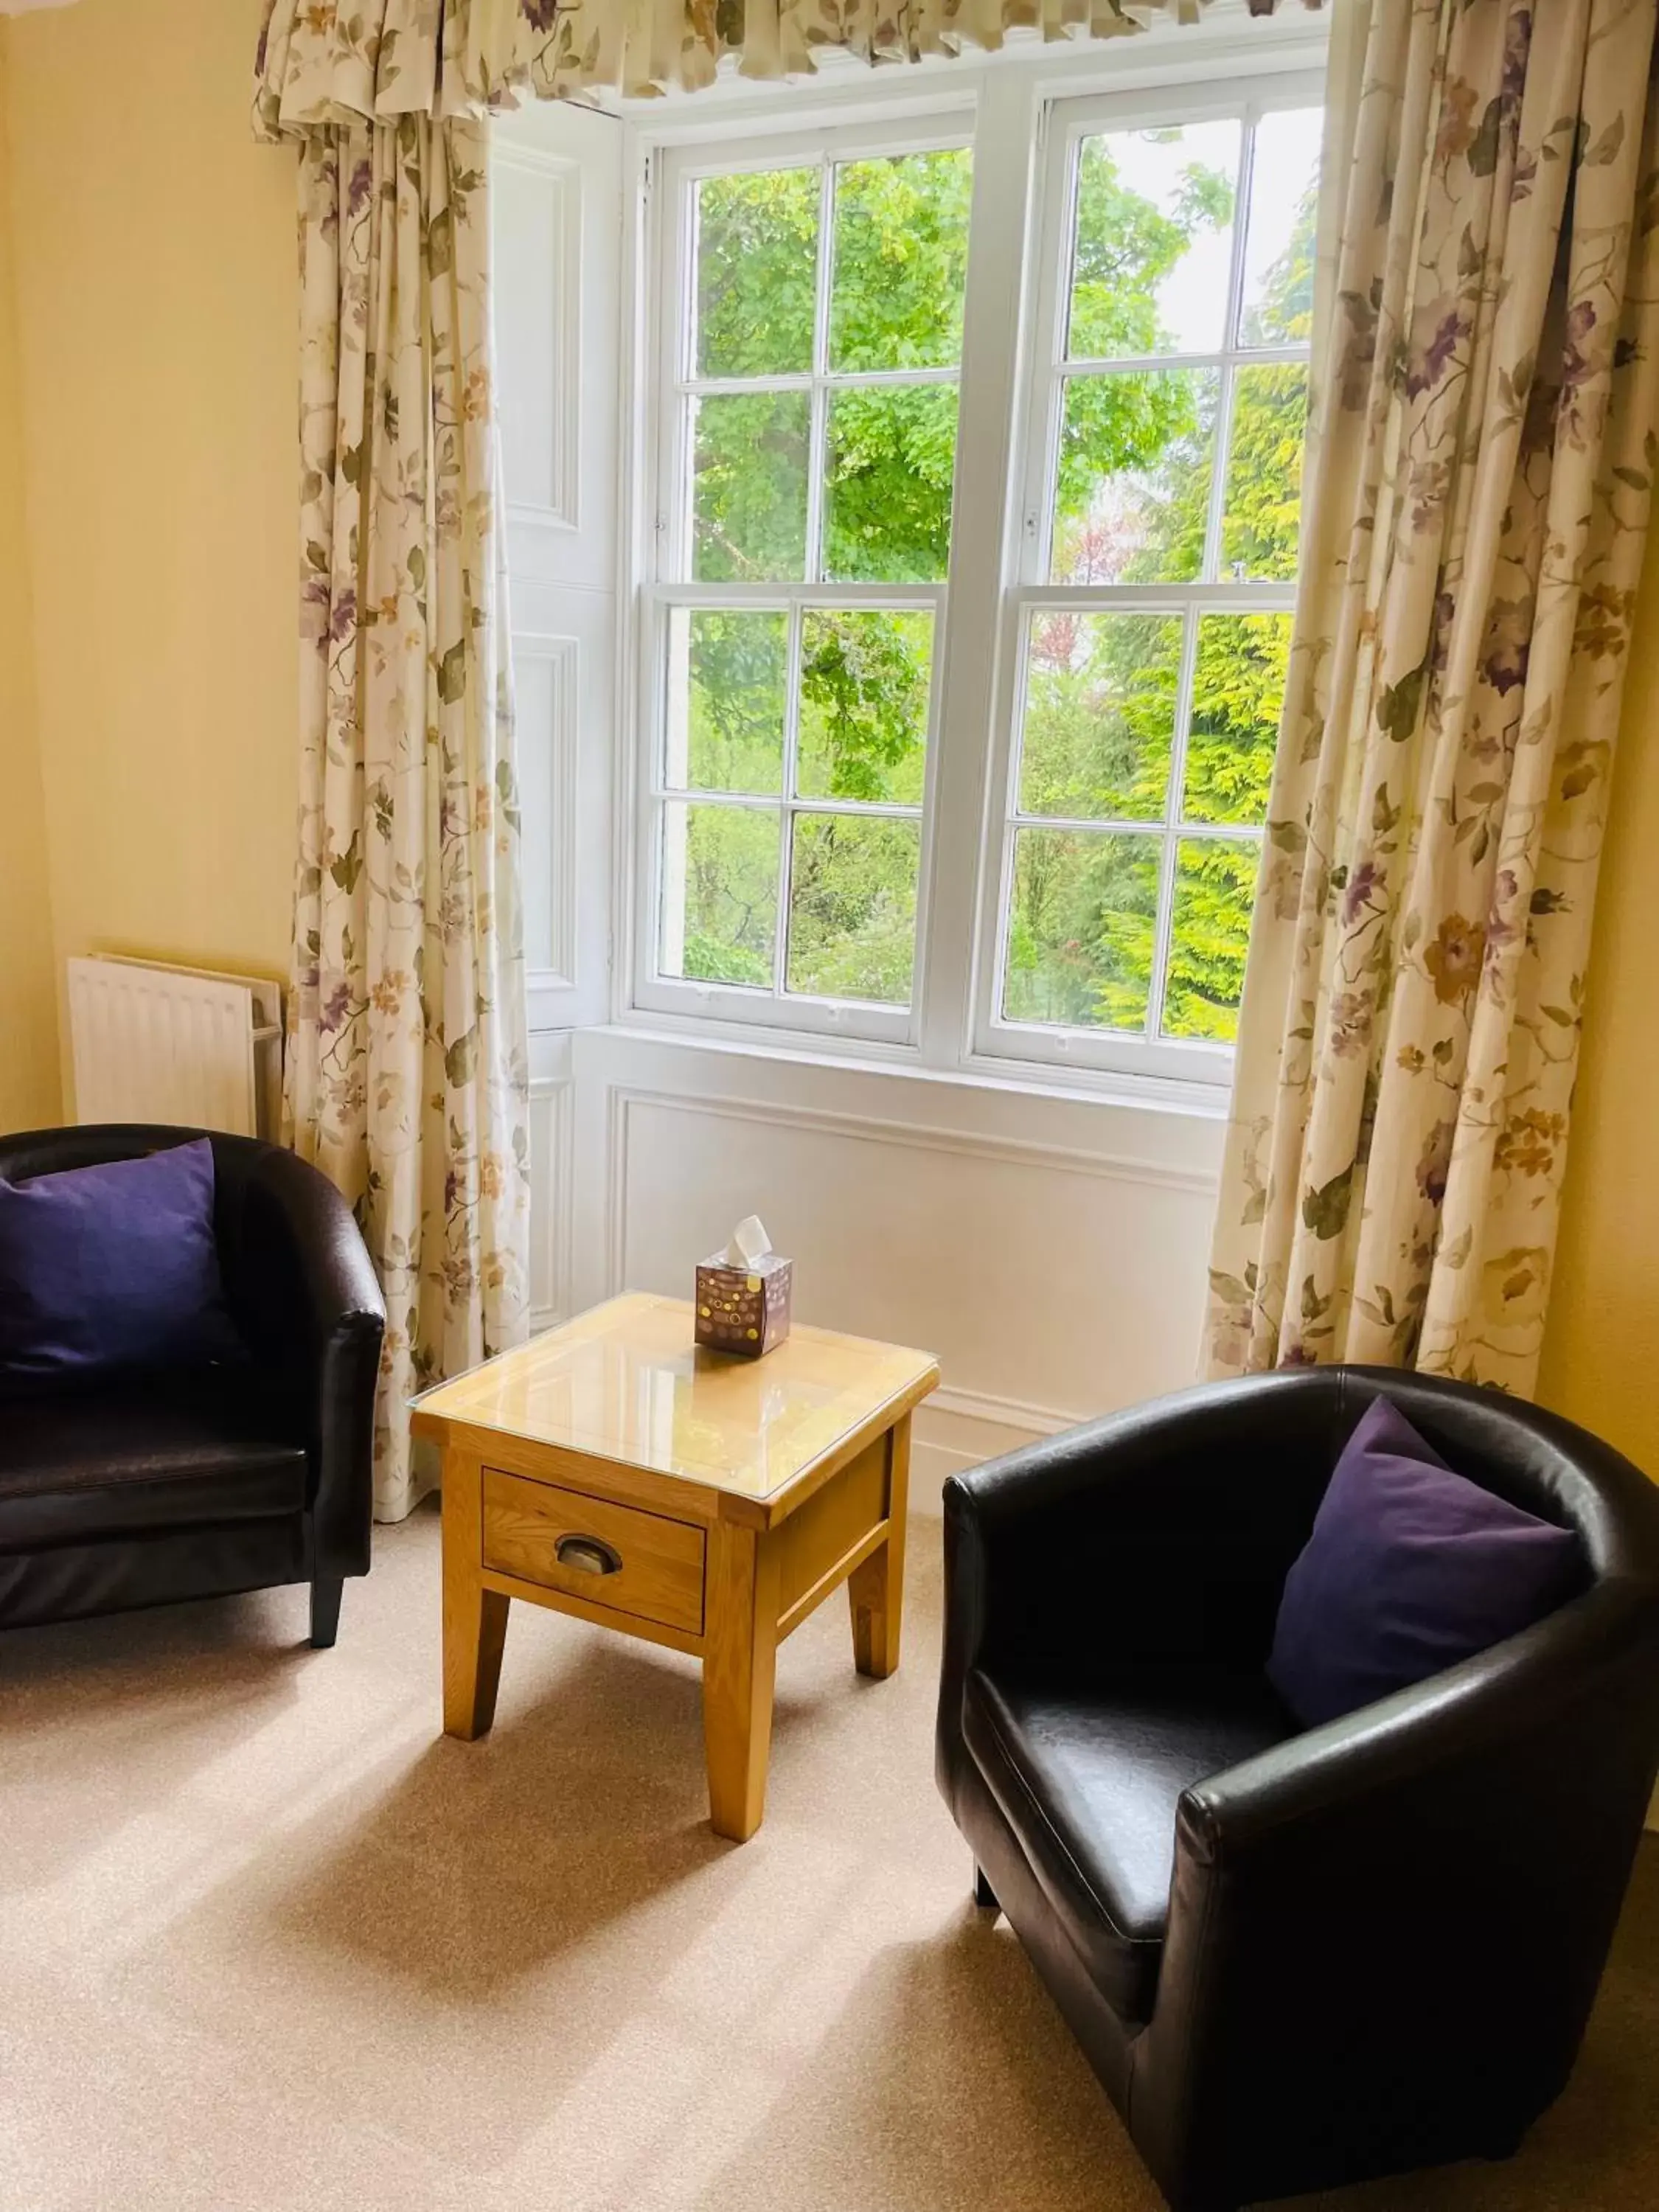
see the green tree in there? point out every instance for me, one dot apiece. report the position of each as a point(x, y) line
point(1242, 661)
point(1081, 948)
point(1133, 501)
point(899, 273)
point(1126, 246)
point(899, 262)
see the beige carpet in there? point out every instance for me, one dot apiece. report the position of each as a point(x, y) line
point(270, 1943)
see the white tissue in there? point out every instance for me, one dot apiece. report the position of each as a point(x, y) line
point(749, 1244)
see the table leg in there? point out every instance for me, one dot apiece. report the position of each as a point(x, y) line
point(738, 1674)
point(474, 1619)
point(875, 1590)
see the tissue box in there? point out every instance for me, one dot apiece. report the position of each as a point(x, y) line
point(744, 1310)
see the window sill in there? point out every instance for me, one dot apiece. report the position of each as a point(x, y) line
point(1186, 1099)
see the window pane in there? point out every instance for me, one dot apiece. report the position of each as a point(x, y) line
point(1154, 240)
point(853, 907)
point(757, 273)
point(887, 490)
point(901, 261)
point(1238, 684)
point(719, 893)
point(727, 683)
point(1136, 452)
point(1100, 706)
point(1214, 893)
point(864, 681)
point(1264, 472)
point(749, 487)
point(1081, 935)
point(1278, 244)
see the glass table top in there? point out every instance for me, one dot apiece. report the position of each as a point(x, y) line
point(629, 1382)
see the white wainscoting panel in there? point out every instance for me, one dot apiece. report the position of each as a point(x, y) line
point(546, 675)
point(556, 207)
point(1051, 1251)
point(537, 215)
point(551, 1168)
point(1036, 1271)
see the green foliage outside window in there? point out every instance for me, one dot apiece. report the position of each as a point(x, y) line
point(1136, 464)
point(898, 282)
point(1080, 948)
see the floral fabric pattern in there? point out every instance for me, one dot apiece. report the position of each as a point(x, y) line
point(330, 61)
point(406, 1067)
point(1476, 512)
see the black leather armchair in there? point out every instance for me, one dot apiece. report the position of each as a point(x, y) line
point(147, 1489)
point(1295, 1959)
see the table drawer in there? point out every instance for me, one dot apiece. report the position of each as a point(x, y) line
point(616, 1556)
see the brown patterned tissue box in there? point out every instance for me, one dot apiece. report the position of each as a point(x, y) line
point(742, 1296)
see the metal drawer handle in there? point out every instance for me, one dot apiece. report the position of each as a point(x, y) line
point(588, 1555)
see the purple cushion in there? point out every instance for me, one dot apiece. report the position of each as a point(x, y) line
point(113, 1266)
point(1409, 1569)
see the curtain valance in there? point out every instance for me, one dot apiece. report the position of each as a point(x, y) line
point(324, 63)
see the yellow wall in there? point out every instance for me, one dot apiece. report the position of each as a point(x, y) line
point(1601, 1357)
point(28, 1020)
point(155, 255)
point(154, 247)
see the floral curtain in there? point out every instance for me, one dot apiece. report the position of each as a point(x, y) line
point(1474, 521)
point(321, 61)
point(406, 1069)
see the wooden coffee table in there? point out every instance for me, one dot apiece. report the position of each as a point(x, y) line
point(613, 1470)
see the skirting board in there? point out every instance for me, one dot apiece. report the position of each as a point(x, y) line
point(958, 1429)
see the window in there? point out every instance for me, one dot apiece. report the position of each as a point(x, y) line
point(809, 456)
point(1153, 622)
point(835, 682)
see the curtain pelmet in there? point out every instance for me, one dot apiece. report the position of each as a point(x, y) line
point(324, 63)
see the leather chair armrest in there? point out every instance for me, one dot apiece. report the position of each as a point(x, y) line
point(1388, 1761)
point(304, 1290)
point(1422, 1891)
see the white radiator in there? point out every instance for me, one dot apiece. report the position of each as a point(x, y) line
point(178, 1045)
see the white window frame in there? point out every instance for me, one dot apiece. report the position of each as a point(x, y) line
point(1071, 122)
point(1018, 113)
point(673, 388)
